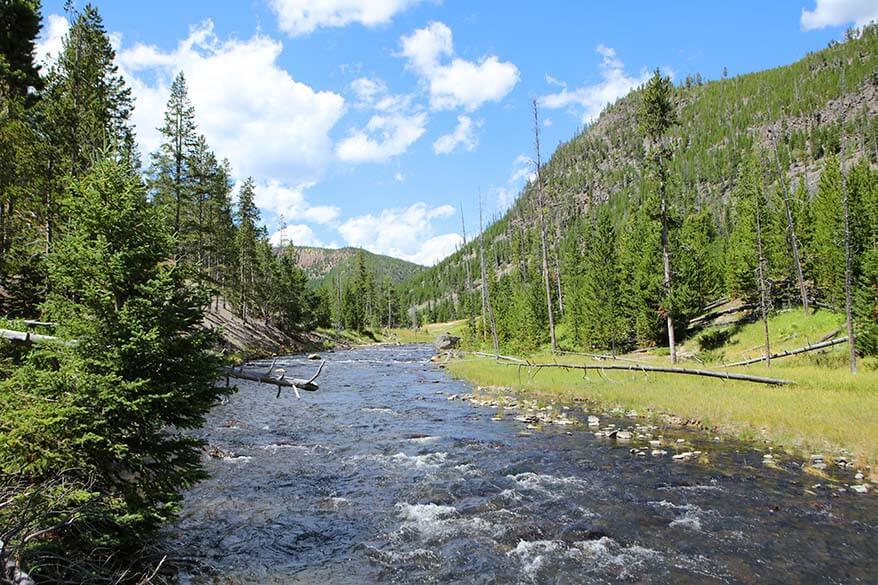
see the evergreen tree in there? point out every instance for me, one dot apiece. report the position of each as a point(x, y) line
point(742, 254)
point(828, 242)
point(655, 116)
point(604, 320)
point(247, 240)
point(110, 410)
point(19, 27)
point(85, 108)
point(172, 165)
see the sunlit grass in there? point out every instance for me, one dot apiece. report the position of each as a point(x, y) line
point(427, 333)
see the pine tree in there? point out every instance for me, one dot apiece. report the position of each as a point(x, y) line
point(111, 410)
point(603, 317)
point(171, 174)
point(828, 242)
point(742, 255)
point(86, 107)
point(248, 234)
point(656, 115)
point(19, 27)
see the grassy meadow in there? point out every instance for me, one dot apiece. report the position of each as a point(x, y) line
point(827, 410)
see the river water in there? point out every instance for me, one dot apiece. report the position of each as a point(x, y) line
point(378, 477)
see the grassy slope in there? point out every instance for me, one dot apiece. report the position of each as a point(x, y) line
point(827, 410)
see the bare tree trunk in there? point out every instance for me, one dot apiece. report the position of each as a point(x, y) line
point(848, 261)
point(760, 271)
point(666, 260)
point(794, 241)
point(486, 298)
point(469, 282)
point(543, 245)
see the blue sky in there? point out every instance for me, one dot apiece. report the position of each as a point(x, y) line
point(372, 122)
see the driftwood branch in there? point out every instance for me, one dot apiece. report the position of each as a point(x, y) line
point(790, 352)
point(669, 370)
point(28, 337)
point(280, 381)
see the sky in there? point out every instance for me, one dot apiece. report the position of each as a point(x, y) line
point(377, 123)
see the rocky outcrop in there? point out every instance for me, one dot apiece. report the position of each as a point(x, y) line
point(446, 342)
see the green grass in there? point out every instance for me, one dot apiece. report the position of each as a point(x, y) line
point(788, 330)
point(827, 410)
point(427, 333)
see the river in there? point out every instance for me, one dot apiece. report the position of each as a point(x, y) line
point(379, 477)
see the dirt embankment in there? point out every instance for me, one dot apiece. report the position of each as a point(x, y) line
point(253, 337)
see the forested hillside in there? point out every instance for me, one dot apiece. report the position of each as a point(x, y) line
point(324, 265)
point(726, 176)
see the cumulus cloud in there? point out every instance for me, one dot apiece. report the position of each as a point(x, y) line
point(463, 136)
point(298, 17)
point(250, 109)
point(291, 203)
point(522, 173)
point(297, 235)
point(838, 12)
point(384, 137)
point(396, 124)
point(51, 38)
point(406, 233)
point(458, 83)
point(589, 100)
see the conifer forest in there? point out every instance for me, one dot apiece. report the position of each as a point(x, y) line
point(689, 281)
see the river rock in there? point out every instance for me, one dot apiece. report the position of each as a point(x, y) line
point(314, 356)
point(593, 421)
point(446, 342)
point(860, 489)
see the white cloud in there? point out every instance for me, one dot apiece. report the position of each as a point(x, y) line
point(291, 203)
point(522, 173)
point(460, 83)
point(51, 39)
point(250, 109)
point(838, 12)
point(463, 135)
point(399, 177)
point(297, 235)
point(395, 126)
point(384, 137)
point(406, 233)
point(298, 17)
point(589, 100)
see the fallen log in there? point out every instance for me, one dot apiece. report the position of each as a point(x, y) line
point(500, 357)
point(790, 352)
point(714, 315)
point(280, 381)
point(28, 337)
point(669, 370)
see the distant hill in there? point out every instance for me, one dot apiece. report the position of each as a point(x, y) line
point(322, 264)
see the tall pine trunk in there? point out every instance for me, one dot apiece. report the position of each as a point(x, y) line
point(543, 244)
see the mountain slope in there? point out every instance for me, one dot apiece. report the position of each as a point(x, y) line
point(801, 105)
point(323, 265)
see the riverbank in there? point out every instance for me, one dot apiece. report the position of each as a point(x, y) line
point(826, 411)
point(815, 415)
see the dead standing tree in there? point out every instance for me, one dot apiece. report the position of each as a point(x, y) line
point(487, 308)
point(543, 237)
